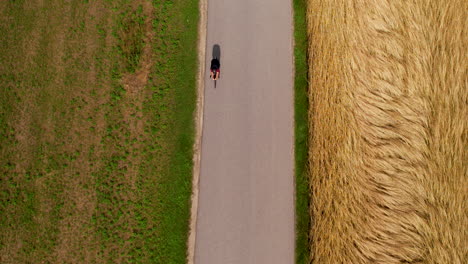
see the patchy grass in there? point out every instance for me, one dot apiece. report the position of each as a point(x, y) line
point(96, 130)
point(130, 34)
point(388, 131)
point(301, 131)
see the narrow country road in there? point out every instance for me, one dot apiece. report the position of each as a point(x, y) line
point(246, 199)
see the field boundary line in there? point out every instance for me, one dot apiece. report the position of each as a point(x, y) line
point(202, 28)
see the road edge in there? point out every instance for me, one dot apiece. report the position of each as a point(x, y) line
point(202, 28)
point(293, 154)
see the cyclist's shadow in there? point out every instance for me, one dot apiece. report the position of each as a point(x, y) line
point(216, 53)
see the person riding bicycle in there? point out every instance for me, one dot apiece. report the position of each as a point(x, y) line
point(214, 69)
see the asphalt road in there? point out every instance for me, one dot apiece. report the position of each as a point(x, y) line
point(246, 199)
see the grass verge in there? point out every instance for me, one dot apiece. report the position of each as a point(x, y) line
point(301, 131)
point(176, 184)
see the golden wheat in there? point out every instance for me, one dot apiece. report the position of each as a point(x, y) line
point(388, 137)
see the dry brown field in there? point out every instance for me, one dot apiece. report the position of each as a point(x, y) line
point(388, 131)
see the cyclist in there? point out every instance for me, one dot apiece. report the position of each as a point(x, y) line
point(214, 69)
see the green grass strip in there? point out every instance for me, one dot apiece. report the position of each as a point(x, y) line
point(301, 131)
point(175, 186)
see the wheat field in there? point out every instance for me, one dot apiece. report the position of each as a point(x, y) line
point(388, 131)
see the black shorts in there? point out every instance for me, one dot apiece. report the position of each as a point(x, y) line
point(214, 65)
